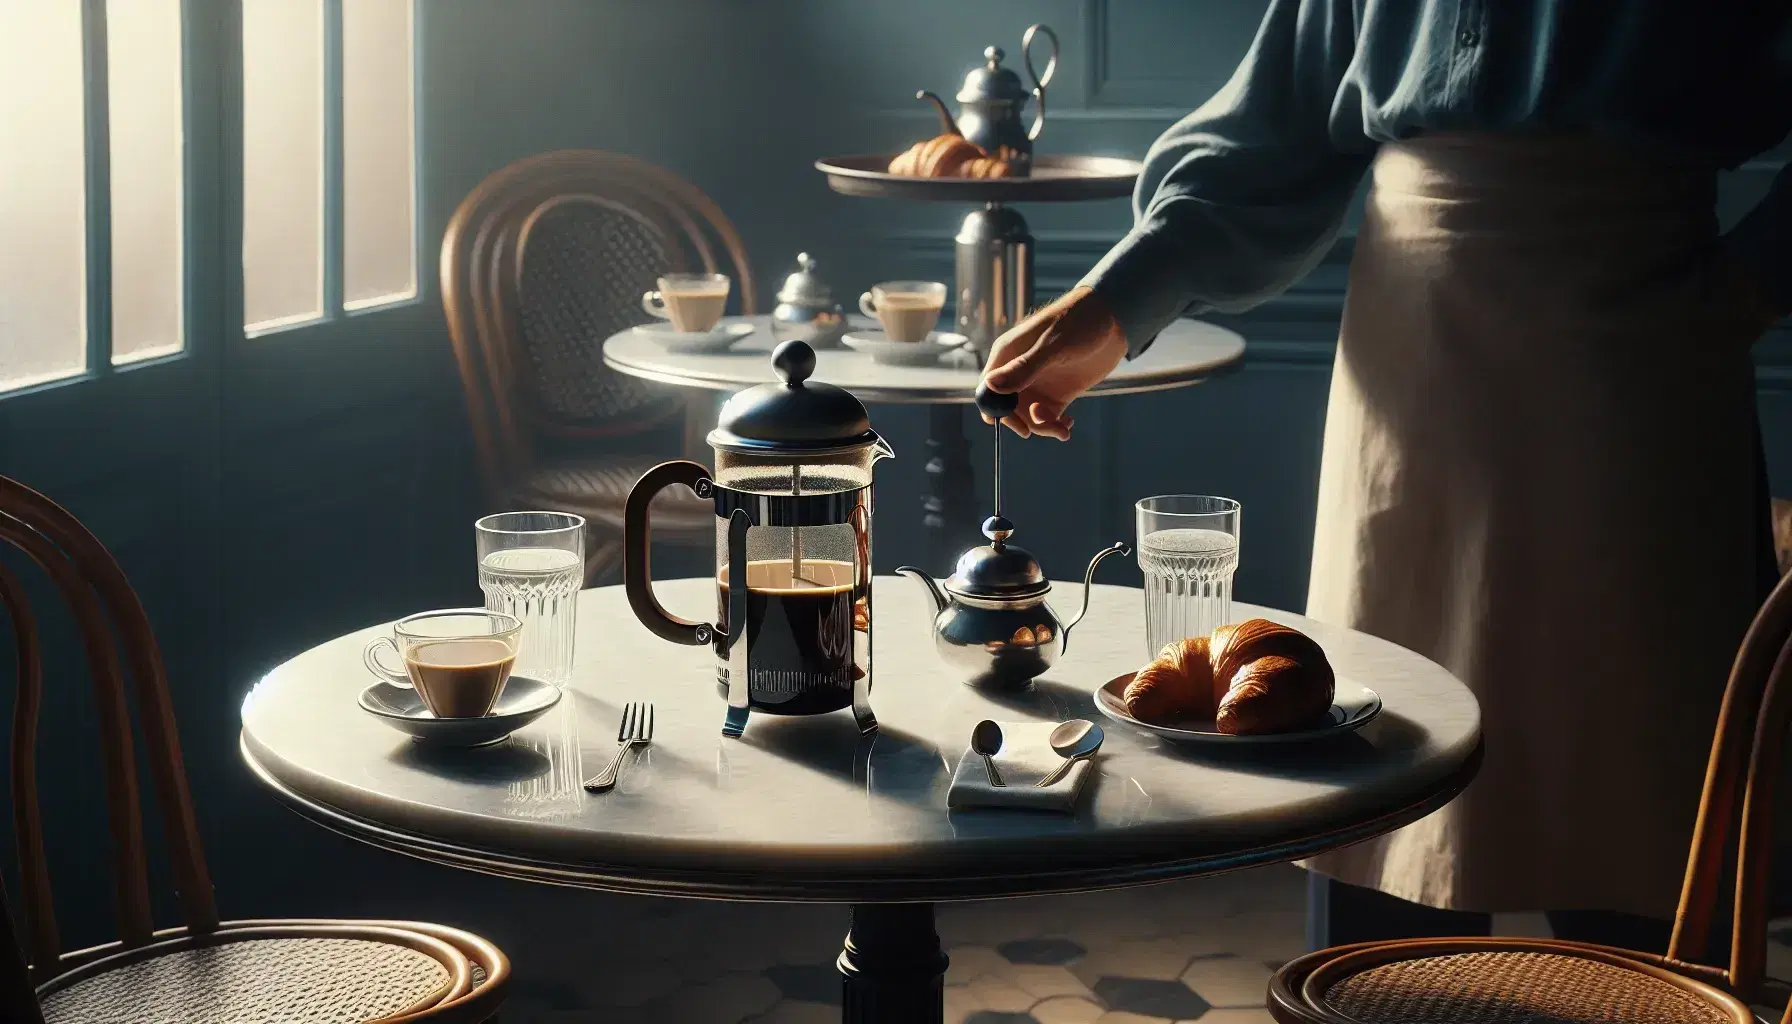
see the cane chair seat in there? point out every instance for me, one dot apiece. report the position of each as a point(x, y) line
point(315, 975)
point(1517, 983)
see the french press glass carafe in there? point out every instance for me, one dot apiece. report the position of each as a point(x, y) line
point(792, 493)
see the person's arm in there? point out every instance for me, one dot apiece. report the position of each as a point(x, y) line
point(1241, 198)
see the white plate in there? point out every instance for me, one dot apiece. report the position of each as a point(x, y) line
point(903, 353)
point(1353, 706)
point(718, 340)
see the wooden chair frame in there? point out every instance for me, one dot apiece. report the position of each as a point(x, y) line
point(482, 259)
point(110, 618)
point(1737, 802)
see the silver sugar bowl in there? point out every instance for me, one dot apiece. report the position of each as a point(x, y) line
point(806, 308)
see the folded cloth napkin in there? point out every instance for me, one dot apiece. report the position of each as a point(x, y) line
point(1025, 758)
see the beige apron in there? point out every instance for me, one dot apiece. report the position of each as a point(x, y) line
point(1540, 472)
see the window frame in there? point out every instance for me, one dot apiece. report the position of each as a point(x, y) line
point(335, 309)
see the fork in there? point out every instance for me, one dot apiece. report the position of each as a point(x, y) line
point(636, 730)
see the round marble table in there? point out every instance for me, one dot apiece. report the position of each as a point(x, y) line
point(810, 810)
point(1187, 352)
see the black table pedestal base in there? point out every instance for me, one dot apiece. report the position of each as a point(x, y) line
point(893, 968)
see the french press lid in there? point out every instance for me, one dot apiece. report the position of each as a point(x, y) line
point(992, 81)
point(794, 414)
point(803, 287)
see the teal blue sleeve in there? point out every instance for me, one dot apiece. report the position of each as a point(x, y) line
point(1241, 198)
point(1763, 240)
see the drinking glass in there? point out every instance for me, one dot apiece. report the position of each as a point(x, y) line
point(1188, 550)
point(531, 565)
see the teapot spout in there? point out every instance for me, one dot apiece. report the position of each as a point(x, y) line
point(947, 125)
point(932, 585)
point(1119, 547)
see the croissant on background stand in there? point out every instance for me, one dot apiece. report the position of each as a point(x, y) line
point(952, 156)
point(1253, 677)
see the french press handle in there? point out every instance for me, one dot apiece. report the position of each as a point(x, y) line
point(637, 536)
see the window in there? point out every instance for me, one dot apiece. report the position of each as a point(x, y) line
point(94, 182)
point(90, 187)
point(329, 196)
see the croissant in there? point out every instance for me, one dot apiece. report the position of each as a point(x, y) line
point(1256, 676)
point(951, 156)
point(1275, 694)
point(1177, 685)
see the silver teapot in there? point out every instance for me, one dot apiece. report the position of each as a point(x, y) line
point(991, 621)
point(991, 100)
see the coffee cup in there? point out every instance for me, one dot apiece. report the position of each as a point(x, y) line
point(907, 309)
point(457, 659)
point(693, 302)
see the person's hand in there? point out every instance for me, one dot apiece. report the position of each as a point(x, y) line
point(1051, 358)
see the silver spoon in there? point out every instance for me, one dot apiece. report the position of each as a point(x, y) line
point(1072, 741)
point(986, 739)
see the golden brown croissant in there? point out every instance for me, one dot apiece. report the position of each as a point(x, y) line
point(1176, 685)
point(1251, 677)
point(951, 156)
point(1276, 694)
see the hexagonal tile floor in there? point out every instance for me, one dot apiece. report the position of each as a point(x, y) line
point(1200, 950)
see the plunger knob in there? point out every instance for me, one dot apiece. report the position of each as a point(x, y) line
point(794, 361)
point(995, 404)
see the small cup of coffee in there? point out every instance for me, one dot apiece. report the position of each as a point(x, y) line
point(458, 660)
point(693, 302)
point(907, 309)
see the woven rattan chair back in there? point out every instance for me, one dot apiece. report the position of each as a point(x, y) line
point(544, 260)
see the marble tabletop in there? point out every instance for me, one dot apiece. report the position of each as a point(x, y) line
point(1185, 353)
point(805, 809)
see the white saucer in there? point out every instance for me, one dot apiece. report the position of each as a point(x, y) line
point(523, 701)
point(903, 353)
point(720, 339)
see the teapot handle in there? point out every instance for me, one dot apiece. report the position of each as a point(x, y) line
point(637, 545)
point(1040, 81)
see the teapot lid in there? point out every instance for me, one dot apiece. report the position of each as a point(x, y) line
point(803, 287)
point(992, 81)
point(998, 570)
point(795, 414)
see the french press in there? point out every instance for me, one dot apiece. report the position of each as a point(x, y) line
point(793, 504)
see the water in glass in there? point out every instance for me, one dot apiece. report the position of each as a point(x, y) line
point(1188, 551)
point(1188, 583)
point(531, 565)
point(541, 587)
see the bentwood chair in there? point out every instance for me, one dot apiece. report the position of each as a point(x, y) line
point(301, 971)
point(1443, 981)
point(542, 261)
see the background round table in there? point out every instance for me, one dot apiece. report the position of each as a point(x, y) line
point(807, 809)
point(1187, 352)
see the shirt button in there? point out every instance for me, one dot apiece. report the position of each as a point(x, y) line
point(1468, 37)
